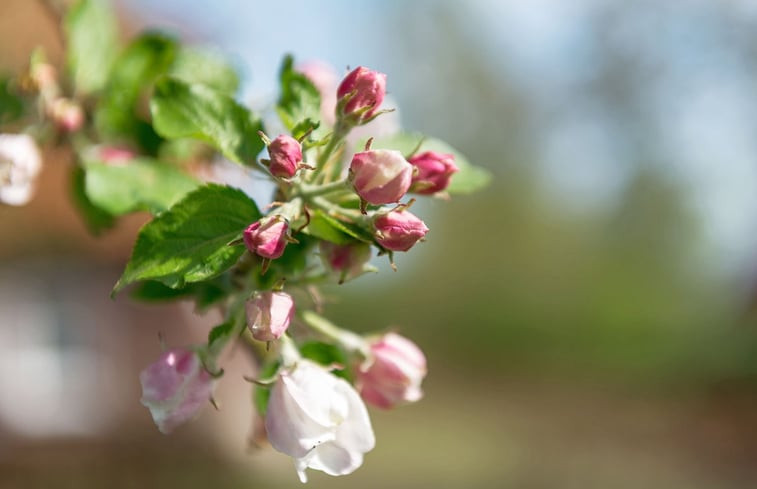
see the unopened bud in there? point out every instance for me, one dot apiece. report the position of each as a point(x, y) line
point(392, 373)
point(67, 114)
point(175, 388)
point(361, 92)
point(380, 176)
point(267, 237)
point(434, 172)
point(399, 230)
point(269, 314)
point(347, 260)
point(286, 156)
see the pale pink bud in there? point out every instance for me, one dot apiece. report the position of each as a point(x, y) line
point(45, 77)
point(324, 77)
point(362, 92)
point(67, 114)
point(116, 155)
point(20, 164)
point(175, 388)
point(286, 156)
point(349, 260)
point(380, 176)
point(393, 372)
point(267, 237)
point(399, 230)
point(434, 172)
point(269, 314)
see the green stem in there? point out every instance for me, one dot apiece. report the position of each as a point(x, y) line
point(349, 340)
point(289, 352)
point(309, 191)
point(340, 131)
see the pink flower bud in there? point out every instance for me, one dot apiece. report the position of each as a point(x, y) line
point(380, 176)
point(434, 172)
point(175, 388)
point(269, 314)
point(393, 373)
point(399, 230)
point(286, 156)
point(362, 92)
point(267, 237)
point(67, 114)
point(44, 76)
point(349, 260)
point(116, 155)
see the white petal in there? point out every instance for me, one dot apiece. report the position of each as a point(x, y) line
point(16, 194)
point(290, 429)
point(355, 433)
point(334, 460)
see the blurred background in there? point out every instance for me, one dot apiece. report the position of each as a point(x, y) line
point(590, 319)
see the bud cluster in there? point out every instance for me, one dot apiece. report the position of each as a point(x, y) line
point(338, 201)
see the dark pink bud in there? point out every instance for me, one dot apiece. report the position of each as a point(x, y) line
point(269, 314)
point(362, 90)
point(286, 156)
point(348, 260)
point(175, 388)
point(434, 172)
point(393, 372)
point(380, 176)
point(267, 237)
point(399, 230)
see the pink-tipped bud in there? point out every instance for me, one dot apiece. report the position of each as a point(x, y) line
point(175, 388)
point(380, 176)
point(361, 92)
point(347, 260)
point(67, 114)
point(269, 314)
point(434, 172)
point(116, 155)
point(45, 77)
point(399, 230)
point(393, 372)
point(286, 156)
point(267, 237)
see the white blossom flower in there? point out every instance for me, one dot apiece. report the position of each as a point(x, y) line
point(20, 163)
point(319, 420)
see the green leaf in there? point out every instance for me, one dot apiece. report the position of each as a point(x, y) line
point(220, 333)
point(92, 40)
point(193, 110)
point(141, 184)
point(11, 105)
point(205, 294)
point(189, 242)
point(205, 66)
point(299, 105)
point(134, 71)
point(326, 227)
point(96, 219)
point(328, 355)
point(469, 179)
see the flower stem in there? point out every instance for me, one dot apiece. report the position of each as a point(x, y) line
point(347, 339)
